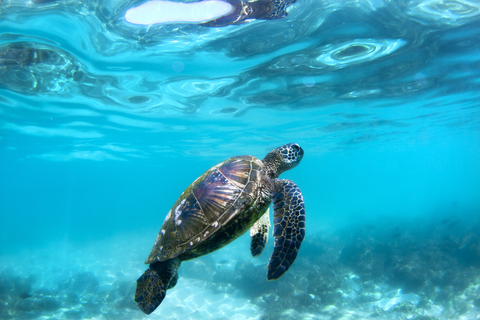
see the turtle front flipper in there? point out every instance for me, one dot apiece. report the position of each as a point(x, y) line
point(259, 234)
point(152, 286)
point(289, 227)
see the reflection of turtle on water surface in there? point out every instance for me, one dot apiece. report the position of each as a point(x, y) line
point(209, 13)
point(249, 10)
point(220, 206)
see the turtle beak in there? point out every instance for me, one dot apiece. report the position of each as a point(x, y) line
point(300, 152)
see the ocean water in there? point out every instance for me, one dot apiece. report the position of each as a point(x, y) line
point(104, 123)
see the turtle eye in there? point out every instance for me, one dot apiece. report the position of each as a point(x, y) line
point(295, 152)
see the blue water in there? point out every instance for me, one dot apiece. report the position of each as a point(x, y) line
point(103, 124)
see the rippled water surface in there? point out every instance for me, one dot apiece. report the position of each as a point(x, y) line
point(103, 123)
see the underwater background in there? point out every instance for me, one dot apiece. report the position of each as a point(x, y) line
point(104, 123)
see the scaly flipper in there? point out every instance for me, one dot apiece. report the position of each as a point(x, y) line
point(289, 227)
point(259, 234)
point(153, 284)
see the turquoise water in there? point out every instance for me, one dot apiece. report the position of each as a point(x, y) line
point(103, 124)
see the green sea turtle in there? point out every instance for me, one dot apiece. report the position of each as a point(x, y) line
point(220, 206)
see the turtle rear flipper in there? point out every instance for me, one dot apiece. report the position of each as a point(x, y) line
point(152, 286)
point(259, 234)
point(289, 228)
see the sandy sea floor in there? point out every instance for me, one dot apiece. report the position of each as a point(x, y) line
point(360, 276)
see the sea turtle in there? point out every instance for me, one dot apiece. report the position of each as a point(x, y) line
point(220, 206)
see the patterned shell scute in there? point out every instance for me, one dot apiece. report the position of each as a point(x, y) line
point(215, 194)
point(238, 170)
point(206, 205)
point(187, 220)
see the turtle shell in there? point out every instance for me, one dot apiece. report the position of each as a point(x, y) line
point(209, 203)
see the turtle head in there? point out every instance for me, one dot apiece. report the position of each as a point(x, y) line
point(282, 159)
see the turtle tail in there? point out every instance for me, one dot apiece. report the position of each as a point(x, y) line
point(152, 286)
